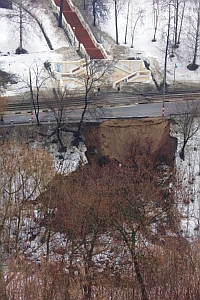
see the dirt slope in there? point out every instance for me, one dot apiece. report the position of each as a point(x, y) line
point(114, 138)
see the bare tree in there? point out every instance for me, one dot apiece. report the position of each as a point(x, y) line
point(24, 175)
point(135, 22)
point(24, 15)
point(60, 109)
point(194, 34)
point(136, 212)
point(186, 118)
point(118, 199)
point(83, 220)
point(118, 5)
point(19, 17)
point(179, 12)
point(99, 10)
point(175, 11)
point(39, 23)
point(37, 76)
point(156, 10)
point(94, 76)
point(127, 21)
point(181, 22)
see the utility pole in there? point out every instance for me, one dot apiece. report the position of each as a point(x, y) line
point(175, 67)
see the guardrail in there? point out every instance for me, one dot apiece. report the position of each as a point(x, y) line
point(135, 75)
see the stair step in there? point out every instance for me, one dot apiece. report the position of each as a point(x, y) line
point(94, 53)
point(80, 32)
point(65, 4)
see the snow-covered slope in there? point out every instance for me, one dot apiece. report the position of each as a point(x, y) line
point(143, 35)
point(142, 43)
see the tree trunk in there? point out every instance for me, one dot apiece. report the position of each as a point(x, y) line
point(134, 27)
point(20, 29)
point(77, 134)
point(176, 24)
point(62, 147)
point(196, 37)
point(37, 118)
point(3, 295)
point(155, 25)
point(87, 288)
point(44, 34)
point(181, 23)
point(48, 243)
point(37, 106)
point(83, 114)
point(40, 25)
point(140, 278)
point(182, 152)
point(116, 23)
point(17, 232)
point(127, 19)
point(34, 103)
point(94, 12)
point(60, 14)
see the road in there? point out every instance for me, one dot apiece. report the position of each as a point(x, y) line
point(114, 105)
point(102, 98)
point(126, 111)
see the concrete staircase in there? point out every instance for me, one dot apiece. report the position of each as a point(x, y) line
point(79, 31)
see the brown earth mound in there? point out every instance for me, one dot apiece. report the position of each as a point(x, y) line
point(116, 138)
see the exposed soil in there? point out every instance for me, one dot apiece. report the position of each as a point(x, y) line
point(111, 138)
point(115, 138)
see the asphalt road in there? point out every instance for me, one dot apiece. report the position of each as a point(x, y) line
point(108, 105)
point(108, 112)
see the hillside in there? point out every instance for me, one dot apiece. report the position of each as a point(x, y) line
point(120, 226)
point(153, 53)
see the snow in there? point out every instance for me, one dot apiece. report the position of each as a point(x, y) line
point(188, 172)
point(155, 51)
point(34, 43)
point(70, 159)
point(38, 49)
point(33, 40)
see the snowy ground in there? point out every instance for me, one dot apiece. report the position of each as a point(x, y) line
point(38, 49)
point(188, 174)
point(33, 42)
point(155, 52)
